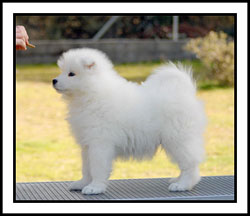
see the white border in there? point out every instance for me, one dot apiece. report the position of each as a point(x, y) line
point(10, 8)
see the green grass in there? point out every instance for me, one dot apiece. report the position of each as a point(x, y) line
point(136, 72)
point(46, 151)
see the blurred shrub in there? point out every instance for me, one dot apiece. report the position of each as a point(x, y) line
point(216, 51)
point(200, 26)
point(61, 27)
point(85, 27)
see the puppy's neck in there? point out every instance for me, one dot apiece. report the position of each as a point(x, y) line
point(94, 90)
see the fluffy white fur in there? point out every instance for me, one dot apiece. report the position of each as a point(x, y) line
point(111, 117)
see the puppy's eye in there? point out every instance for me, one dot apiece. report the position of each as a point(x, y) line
point(71, 74)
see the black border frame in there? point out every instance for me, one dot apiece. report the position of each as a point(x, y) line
point(126, 201)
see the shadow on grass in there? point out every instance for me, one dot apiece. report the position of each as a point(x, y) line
point(46, 72)
point(211, 86)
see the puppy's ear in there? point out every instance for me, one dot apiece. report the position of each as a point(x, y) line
point(90, 65)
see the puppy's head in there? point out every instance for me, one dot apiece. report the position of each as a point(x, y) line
point(77, 67)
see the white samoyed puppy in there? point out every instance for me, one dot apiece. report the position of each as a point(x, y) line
point(111, 117)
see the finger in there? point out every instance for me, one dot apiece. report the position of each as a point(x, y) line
point(21, 30)
point(19, 48)
point(20, 44)
point(20, 36)
point(18, 28)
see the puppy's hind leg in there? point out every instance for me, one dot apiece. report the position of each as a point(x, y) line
point(188, 155)
point(187, 179)
point(100, 163)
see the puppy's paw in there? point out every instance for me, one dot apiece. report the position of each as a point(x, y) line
point(94, 188)
point(78, 185)
point(177, 186)
point(186, 181)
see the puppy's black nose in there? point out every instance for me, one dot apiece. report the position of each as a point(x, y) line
point(54, 81)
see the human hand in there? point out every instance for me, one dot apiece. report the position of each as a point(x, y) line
point(21, 38)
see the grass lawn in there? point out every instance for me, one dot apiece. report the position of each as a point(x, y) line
point(46, 151)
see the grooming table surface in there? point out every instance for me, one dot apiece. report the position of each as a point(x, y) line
point(209, 188)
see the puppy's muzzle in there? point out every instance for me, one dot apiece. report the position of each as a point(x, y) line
point(54, 81)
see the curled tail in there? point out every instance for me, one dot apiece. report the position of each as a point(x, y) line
point(172, 75)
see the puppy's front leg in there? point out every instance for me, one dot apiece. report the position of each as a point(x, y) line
point(100, 164)
point(86, 179)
